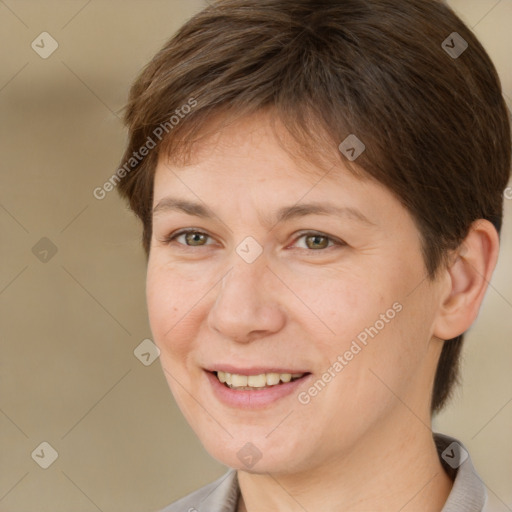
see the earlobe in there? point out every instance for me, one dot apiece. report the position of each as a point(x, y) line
point(467, 276)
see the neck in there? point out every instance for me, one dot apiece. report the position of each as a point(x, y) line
point(389, 469)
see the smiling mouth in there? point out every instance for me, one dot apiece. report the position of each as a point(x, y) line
point(254, 382)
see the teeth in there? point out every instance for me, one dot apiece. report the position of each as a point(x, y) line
point(234, 380)
point(257, 381)
point(238, 381)
point(272, 379)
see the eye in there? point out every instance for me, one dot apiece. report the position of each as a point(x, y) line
point(316, 241)
point(191, 238)
point(313, 241)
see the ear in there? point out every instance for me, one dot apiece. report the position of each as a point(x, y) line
point(467, 278)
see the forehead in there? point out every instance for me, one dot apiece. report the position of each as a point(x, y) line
point(246, 161)
point(245, 166)
point(262, 138)
point(243, 175)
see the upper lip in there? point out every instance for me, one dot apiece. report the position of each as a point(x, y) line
point(253, 370)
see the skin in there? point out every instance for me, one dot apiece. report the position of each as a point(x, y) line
point(364, 440)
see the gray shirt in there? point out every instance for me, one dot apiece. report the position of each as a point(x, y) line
point(468, 493)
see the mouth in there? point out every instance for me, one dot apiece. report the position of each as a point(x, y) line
point(260, 382)
point(255, 388)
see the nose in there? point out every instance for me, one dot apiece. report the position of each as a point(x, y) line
point(247, 305)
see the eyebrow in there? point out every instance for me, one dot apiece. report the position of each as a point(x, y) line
point(285, 213)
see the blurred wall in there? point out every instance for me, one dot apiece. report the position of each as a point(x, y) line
point(72, 276)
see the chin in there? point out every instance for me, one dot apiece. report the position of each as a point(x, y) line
point(256, 454)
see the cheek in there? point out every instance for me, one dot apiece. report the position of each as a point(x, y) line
point(343, 303)
point(172, 302)
point(392, 362)
point(378, 328)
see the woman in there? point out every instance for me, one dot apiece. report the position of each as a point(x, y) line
point(320, 186)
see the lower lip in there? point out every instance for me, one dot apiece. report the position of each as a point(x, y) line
point(257, 399)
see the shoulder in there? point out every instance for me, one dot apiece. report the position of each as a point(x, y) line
point(219, 496)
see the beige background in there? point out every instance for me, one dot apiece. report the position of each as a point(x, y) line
point(69, 326)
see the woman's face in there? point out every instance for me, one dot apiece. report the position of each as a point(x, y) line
point(319, 276)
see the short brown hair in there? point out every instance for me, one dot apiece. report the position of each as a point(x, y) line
point(435, 125)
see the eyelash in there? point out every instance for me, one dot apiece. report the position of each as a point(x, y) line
point(335, 242)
